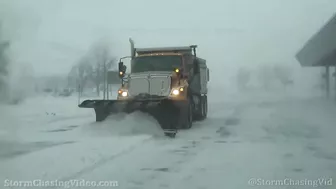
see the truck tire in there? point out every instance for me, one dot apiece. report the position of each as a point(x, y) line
point(204, 107)
point(202, 110)
point(188, 115)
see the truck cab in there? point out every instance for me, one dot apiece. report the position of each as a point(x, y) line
point(168, 73)
point(164, 73)
point(169, 83)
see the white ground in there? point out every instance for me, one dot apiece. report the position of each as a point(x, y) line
point(252, 136)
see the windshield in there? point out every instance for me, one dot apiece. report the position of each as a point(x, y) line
point(156, 63)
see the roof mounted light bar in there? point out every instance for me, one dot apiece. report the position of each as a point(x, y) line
point(181, 49)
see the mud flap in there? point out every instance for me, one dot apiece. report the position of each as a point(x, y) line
point(167, 114)
point(170, 133)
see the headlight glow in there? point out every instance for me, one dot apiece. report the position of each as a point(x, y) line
point(176, 92)
point(124, 94)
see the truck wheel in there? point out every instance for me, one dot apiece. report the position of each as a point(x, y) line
point(204, 107)
point(188, 119)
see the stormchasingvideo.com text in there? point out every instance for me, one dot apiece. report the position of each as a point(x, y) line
point(59, 183)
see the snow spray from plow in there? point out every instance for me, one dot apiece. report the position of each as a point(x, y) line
point(162, 110)
point(123, 124)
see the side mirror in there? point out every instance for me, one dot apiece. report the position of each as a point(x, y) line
point(122, 69)
point(120, 66)
point(196, 67)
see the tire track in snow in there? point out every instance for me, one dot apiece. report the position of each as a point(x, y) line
point(103, 161)
point(153, 164)
point(158, 161)
point(198, 145)
point(66, 118)
point(180, 153)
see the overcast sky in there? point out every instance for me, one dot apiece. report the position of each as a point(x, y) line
point(51, 35)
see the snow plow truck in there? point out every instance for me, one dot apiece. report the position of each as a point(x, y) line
point(169, 83)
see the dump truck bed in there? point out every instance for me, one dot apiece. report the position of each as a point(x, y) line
point(179, 49)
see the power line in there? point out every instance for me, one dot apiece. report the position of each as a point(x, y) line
point(188, 30)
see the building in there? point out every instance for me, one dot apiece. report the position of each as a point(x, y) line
point(320, 51)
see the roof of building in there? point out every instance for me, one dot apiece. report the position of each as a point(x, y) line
point(320, 49)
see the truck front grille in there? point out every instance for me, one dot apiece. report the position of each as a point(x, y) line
point(155, 85)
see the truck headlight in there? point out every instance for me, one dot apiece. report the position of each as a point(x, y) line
point(177, 91)
point(123, 93)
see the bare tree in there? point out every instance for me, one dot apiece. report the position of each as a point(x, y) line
point(102, 60)
point(265, 76)
point(4, 61)
point(73, 77)
point(283, 74)
point(93, 67)
point(243, 77)
point(81, 71)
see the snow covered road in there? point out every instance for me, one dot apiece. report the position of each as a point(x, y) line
point(245, 138)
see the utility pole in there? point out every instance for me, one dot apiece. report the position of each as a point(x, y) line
point(104, 77)
point(327, 77)
point(107, 88)
point(107, 78)
point(334, 76)
point(79, 93)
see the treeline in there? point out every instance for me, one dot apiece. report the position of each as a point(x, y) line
point(93, 66)
point(4, 63)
